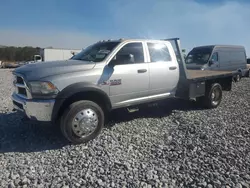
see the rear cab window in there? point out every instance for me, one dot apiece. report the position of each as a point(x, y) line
point(158, 52)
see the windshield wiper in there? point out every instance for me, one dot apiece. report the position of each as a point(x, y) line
point(85, 59)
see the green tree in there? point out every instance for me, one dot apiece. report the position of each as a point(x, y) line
point(11, 53)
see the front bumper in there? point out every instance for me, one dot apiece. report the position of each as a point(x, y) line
point(40, 110)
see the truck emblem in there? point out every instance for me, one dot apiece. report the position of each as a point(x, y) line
point(115, 82)
point(105, 83)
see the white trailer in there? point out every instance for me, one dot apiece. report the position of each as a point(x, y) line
point(53, 54)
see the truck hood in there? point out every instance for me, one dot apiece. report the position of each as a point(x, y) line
point(39, 70)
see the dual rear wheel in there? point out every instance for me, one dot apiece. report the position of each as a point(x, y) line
point(212, 98)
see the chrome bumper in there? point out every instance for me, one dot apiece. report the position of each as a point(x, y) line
point(40, 110)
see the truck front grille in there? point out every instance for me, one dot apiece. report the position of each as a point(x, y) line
point(19, 80)
point(18, 105)
point(20, 87)
point(22, 91)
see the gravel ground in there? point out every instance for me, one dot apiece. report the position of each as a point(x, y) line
point(176, 146)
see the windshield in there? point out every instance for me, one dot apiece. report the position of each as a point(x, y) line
point(248, 61)
point(198, 56)
point(96, 52)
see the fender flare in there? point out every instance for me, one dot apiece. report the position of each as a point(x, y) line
point(72, 89)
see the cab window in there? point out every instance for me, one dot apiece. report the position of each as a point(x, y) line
point(158, 52)
point(130, 53)
point(215, 56)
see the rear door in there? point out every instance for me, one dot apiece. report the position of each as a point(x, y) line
point(163, 69)
point(129, 81)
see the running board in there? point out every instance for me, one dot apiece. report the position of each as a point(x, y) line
point(136, 109)
point(131, 110)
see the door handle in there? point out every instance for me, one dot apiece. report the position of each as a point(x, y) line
point(172, 68)
point(142, 70)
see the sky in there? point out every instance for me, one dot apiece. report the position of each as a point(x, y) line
point(78, 23)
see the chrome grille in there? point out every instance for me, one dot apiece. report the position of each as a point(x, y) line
point(21, 88)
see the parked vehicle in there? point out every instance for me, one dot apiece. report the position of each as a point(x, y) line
point(4, 64)
point(248, 66)
point(218, 57)
point(78, 94)
point(53, 54)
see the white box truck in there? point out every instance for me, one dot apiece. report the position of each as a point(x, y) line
point(54, 54)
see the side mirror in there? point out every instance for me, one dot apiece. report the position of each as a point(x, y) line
point(211, 62)
point(122, 59)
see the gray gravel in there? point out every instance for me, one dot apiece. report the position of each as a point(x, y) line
point(175, 145)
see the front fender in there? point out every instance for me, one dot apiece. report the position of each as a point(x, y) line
point(73, 89)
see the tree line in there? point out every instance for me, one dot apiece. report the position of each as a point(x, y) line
point(11, 53)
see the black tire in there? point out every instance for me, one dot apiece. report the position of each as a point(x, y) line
point(68, 116)
point(208, 100)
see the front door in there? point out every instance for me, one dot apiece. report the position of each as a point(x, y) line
point(214, 65)
point(129, 81)
point(163, 68)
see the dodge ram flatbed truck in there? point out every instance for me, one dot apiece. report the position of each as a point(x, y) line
point(79, 93)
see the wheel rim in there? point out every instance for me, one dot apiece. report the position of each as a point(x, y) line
point(85, 122)
point(215, 96)
point(238, 78)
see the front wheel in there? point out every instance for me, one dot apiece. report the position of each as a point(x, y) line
point(212, 98)
point(82, 121)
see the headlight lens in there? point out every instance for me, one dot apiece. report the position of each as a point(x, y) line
point(43, 88)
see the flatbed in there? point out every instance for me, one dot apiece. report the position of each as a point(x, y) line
point(200, 84)
point(197, 74)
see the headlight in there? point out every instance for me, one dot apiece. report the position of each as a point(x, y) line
point(43, 88)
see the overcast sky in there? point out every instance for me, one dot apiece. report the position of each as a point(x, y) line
point(78, 23)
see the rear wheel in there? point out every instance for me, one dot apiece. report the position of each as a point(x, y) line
point(212, 98)
point(237, 78)
point(82, 121)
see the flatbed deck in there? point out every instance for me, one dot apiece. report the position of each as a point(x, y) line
point(197, 74)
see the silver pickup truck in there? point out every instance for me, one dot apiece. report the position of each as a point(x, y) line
point(79, 93)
